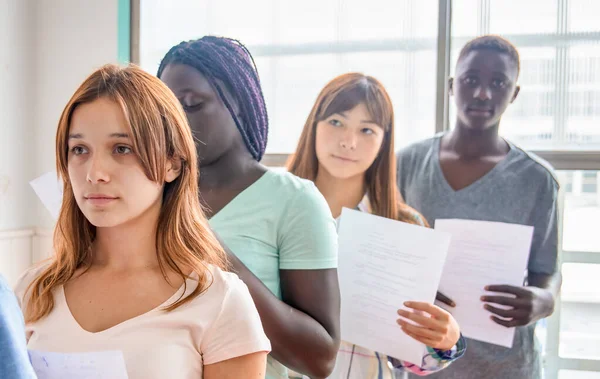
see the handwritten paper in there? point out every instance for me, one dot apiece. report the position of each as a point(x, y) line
point(483, 253)
point(382, 264)
point(96, 365)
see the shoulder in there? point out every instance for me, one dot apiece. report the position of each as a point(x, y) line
point(534, 168)
point(26, 279)
point(300, 194)
point(418, 148)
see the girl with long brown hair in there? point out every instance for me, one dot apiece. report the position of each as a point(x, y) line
point(136, 268)
point(347, 149)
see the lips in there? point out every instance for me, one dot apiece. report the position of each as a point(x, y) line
point(100, 199)
point(349, 160)
point(482, 111)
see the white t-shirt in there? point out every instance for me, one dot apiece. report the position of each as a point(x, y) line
point(220, 324)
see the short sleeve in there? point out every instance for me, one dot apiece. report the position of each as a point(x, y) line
point(544, 247)
point(307, 236)
point(237, 329)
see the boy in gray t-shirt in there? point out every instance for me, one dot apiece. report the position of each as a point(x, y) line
point(472, 173)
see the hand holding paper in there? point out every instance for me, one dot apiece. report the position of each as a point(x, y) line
point(528, 304)
point(382, 264)
point(483, 253)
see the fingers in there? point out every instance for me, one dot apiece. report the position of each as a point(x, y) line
point(517, 291)
point(502, 300)
point(435, 311)
point(422, 320)
point(506, 313)
point(426, 341)
point(419, 330)
point(508, 323)
point(444, 299)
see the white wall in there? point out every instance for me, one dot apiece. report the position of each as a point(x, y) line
point(73, 38)
point(47, 48)
point(17, 105)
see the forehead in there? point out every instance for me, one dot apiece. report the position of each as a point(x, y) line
point(181, 79)
point(99, 117)
point(488, 62)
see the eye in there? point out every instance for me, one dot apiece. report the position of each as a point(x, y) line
point(367, 131)
point(499, 83)
point(123, 150)
point(470, 80)
point(335, 122)
point(78, 150)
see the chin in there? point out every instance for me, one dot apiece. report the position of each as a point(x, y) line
point(105, 220)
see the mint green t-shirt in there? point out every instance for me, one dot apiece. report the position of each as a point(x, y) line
point(280, 222)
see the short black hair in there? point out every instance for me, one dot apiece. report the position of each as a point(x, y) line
point(493, 43)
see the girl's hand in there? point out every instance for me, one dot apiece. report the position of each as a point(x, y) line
point(435, 327)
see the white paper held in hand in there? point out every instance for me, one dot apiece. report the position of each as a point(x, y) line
point(483, 253)
point(92, 365)
point(48, 188)
point(382, 264)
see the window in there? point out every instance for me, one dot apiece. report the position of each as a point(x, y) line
point(300, 46)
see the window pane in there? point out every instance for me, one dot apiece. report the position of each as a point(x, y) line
point(516, 16)
point(465, 18)
point(583, 15)
point(388, 19)
point(573, 374)
point(583, 107)
point(580, 312)
point(581, 210)
point(310, 21)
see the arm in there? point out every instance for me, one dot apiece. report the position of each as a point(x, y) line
point(308, 316)
point(14, 360)
point(251, 366)
point(536, 300)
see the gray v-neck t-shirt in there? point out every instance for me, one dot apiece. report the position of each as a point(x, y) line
point(520, 189)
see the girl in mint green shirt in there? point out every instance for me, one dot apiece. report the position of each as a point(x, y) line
point(277, 228)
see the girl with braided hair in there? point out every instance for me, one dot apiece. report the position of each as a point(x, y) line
point(276, 228)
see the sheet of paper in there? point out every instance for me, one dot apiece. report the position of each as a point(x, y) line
point(96, 365)
point(49, 189)
point(382, 264)
point(482, 253)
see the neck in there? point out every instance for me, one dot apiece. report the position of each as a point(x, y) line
point(128, 247)
point(227, 170)
point(472, 143)
point(340, 193)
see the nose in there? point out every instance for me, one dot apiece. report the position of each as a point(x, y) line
point(98, 171)
point(348, 140)
point(482, 93)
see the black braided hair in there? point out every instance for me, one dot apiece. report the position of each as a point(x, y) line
point(227, 62)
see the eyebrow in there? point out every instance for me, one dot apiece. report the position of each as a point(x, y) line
point(112, 135)
point(343, 114)
point(475, 71)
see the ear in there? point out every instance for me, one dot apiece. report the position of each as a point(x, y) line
point(514, 96)
point(174, 167)
point(451, 86)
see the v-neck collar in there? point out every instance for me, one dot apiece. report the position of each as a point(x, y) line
point(477, 183)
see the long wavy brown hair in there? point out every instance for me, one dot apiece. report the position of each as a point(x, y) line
point(160, 132)
point(340, 95)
